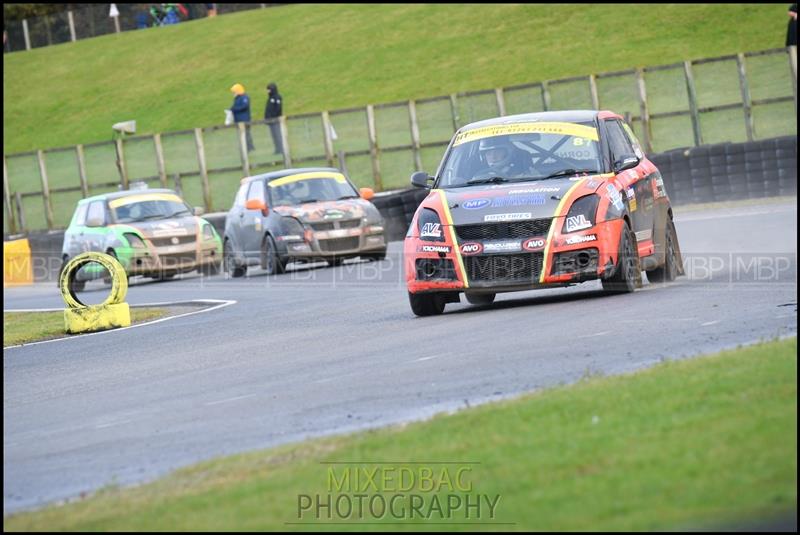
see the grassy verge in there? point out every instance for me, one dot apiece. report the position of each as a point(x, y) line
point(684, 444)
point(26, 327)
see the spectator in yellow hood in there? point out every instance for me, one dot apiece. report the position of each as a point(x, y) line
point(241, 111)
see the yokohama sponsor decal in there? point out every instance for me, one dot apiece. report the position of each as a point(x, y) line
point(433, 249)
point(508, 217)
point(533, 244)
point(471, 248)
point(580, 239)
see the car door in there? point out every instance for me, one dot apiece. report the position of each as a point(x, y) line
point(635, 182)
point(233, 222)
point(252, 227)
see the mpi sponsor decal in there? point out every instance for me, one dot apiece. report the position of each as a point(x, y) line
point(533, 244)
point(580, 239)
point(475, 204)
point(521, 200)
point(505, 246)
point(577, 222)
point(433, 249)
point(471, 248)
point(519, 216)
point(431, 230)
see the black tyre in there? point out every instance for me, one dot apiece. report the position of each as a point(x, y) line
point(671, 267)
point(628, 273)
point(107, 278)
point(229, 262)
point(335, 261)
point(480, 299)
point(426, 304)
point(270, 259)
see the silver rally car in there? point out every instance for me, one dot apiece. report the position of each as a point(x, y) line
point(300, 215)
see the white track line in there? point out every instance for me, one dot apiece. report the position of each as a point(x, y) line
point(222, 304)
point(228, 400)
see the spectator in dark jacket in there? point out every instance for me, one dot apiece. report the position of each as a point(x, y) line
point(791, 33)
point(273, 110)
point(241, 111)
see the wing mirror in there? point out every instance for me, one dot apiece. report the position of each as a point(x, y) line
point(367, 193)
point(420, 179)
point(627, 161)
point(198, 211)
point(257, 204)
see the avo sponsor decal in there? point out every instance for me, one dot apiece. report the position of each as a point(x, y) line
point(471, 248)
point(533, 244)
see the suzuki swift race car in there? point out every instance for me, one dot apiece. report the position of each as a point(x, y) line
point(535, 201)
point(300, 215)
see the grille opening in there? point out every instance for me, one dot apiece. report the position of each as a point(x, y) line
point(338, 244)
point(435, 269)
point(512, 268)
point(506, 230)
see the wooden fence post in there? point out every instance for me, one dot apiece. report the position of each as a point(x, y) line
point(123, 170)
point(342, 157)
point(243, 149)
point(593, 91)
point(747, 102)
point(12, 224)
point(545, 96)
point(82, 170)
point(201, 161)
point(23, 226)
point(287, 155)
point(48, 206)
point(643, 111)
point(26, 34)
point(412, 120)
point(454, 112)
point(374, 151)
point(162, 167)
point(501, 101)
point(692, 94)
point(71, 20)
point(178, 185)
point(327, 137)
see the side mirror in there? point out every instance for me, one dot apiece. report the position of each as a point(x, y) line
point(627, 161)
point(95, 222)
point(366, 193)
point(257, 204)
point(198, 210)
point(420, 179)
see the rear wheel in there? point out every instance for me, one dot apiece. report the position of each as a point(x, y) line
point(628, 274)
point(480, 299)
point(669, 270)
point(229, 262)
point(430, 304)
point(270, 260)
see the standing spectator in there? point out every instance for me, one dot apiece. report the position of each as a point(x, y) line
point(791, 34)
point(241, 111)
point(212, 10)
point(273, 110)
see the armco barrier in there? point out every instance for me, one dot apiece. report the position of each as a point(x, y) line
point(17, 267)
point(709, 173)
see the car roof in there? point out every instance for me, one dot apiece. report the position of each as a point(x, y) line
point(566, 116)
point(286, 172)
point(124, 193)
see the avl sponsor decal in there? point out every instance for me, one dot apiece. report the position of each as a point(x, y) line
point(533, 244)
point(471, 248)
point(433, 230)
point(577, 222)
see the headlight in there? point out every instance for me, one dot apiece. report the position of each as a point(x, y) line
point(134, 240)
point(430, 226)
point(208, 232)
point(292, 226)
point(582, 213)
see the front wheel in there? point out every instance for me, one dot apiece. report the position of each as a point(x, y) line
point(628, 274)
point(669, 270)
point(229, 262)
point(430, 304)
point(270, 260)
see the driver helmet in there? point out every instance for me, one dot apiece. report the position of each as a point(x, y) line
point(495, 151)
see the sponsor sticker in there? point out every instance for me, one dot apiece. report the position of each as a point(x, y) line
point(257, 223)
point(568, 129)
point(533, 244)
point(432, 230)
point(577, 222)
point(614, 196)
point(580, 239)
point(507, 217)
point(475, 204)
point(506, 246)
point(471, 248)
point(522, 200)
point(334, 214)
point(538, 189)
point(433, 249)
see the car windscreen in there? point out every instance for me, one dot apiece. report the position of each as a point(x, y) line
point(291, 190)
point(521, 152)
point(149, 207)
